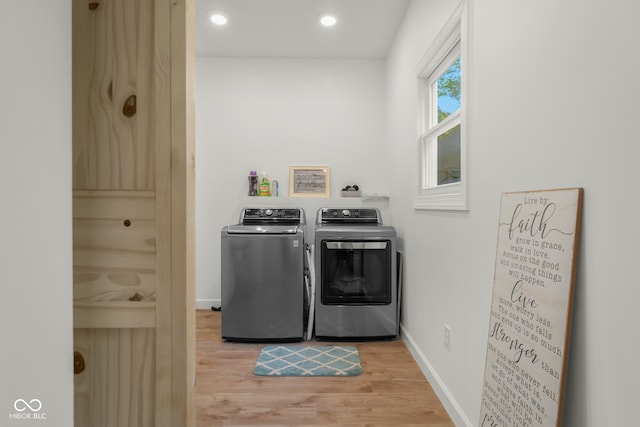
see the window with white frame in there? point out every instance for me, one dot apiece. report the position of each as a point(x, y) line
point(442, 143)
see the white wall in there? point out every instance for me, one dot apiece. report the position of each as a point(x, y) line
point(270, 114)
point(553, 102)
point(35, 218)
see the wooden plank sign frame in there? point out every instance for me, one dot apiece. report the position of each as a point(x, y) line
point(531, 307)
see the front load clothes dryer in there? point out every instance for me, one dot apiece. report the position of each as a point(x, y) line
point(356, 284)
point(263, 286)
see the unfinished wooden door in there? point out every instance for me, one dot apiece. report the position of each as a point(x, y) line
point(132, 212)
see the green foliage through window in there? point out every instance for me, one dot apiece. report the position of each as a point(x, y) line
point(449, 91)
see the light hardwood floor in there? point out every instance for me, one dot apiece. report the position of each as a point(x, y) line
point(391, 391)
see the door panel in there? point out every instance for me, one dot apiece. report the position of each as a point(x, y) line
point(117, 385)
point(113, 94)
point(113, 261)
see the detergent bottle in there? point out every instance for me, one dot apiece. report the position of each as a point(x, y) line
point(264, 189)
point(253, 183)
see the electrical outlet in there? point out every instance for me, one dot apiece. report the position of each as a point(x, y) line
point(447, 337)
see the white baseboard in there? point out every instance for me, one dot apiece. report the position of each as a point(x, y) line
point(206, 304)
point(452, 407)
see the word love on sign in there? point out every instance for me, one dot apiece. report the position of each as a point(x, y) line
point(531, 308)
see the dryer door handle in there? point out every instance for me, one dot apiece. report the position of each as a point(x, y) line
point(356, 245)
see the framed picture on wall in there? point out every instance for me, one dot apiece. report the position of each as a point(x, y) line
point(309, 181)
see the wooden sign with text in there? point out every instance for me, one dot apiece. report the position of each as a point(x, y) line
point(531, 308)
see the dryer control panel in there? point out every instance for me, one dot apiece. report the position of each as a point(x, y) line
point(349, 216)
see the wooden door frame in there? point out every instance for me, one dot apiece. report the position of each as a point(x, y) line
point(175, 204)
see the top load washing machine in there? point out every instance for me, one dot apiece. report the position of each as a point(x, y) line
point(356, 285)
point(263, 285)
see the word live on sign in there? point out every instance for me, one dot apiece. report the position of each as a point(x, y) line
point(531, 306)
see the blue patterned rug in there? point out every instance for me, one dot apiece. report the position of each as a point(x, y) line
point(299, 361)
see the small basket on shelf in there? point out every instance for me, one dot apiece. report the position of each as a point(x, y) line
point(351, 191)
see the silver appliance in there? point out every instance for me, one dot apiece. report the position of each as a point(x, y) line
point(263, 284)
point(356, 284)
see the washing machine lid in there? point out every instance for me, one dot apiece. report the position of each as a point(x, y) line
point(268, 221)
point(262, 229)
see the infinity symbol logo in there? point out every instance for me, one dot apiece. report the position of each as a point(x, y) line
point(21, 405)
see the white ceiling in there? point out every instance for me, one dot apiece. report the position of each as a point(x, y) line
point(289, 28)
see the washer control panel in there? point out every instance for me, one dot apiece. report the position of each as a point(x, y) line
point(272, 216)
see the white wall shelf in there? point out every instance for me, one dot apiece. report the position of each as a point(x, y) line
point(374, 197)
point(285, 200)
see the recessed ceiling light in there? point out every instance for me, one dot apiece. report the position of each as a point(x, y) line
point(218, 18)
point(328, 20)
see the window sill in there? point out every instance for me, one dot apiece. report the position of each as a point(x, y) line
point(450, 197)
